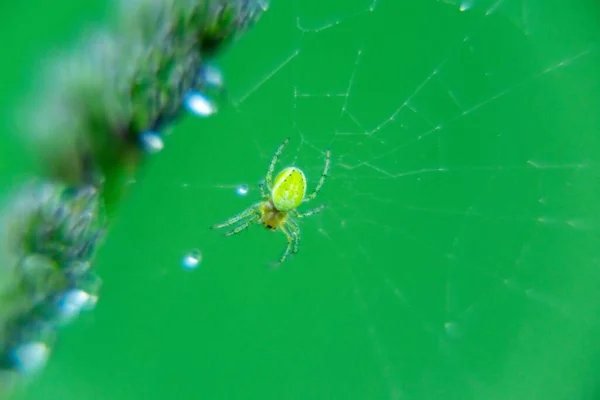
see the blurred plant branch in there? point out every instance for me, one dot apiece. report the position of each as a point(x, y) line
point(106, 109)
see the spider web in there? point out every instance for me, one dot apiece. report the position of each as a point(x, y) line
point(458, 233)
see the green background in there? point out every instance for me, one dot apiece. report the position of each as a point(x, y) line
point(458, 256)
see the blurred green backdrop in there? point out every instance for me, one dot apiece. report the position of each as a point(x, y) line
point(458, 256)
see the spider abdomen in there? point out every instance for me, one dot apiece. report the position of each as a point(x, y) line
point(289, 188)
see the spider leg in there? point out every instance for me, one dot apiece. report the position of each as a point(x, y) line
point(290, 240)
point(308, 213)
point(243, 226)
point(244, 214)
point(269, 179)
point(295, 231)
point(322, 179)
point(263, 191)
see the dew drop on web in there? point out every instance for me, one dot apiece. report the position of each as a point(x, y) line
point(192, 259)
point(242, 190)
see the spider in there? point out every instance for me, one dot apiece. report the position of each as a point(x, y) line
point(277, 209)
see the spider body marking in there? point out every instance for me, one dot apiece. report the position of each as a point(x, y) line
point(277, 210)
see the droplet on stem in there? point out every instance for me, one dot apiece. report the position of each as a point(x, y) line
point(30, 357)
point(151, 142)
point(200, 105)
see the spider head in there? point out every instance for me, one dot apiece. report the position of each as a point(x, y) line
point(270, 217)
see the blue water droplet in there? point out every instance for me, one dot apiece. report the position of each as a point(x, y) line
point(199, 104)
point(212, 76)
point(242, 190)
point(72, 302)
point(192, 259)
point(151, 142)
point(30, 357)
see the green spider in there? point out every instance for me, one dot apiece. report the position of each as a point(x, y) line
point(277, 208)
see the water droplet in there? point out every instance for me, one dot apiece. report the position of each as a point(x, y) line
point(452, 329)
point(151, 142)
point(264, 4)
point(212, 76)
point(192, 259)
point(30, 357)
point(242, 190)
point(71, 303)
point(199, 104)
